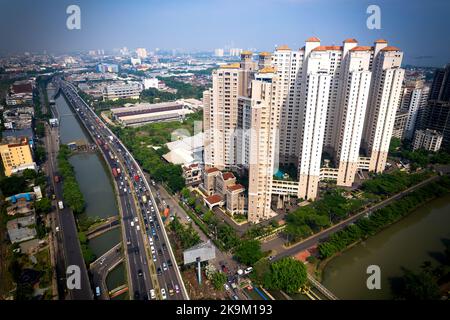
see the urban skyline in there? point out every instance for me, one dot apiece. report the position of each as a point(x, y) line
point(285, 22)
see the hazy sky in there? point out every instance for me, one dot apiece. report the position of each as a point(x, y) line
point(420, 28)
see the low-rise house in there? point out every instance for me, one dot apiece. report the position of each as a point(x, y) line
point(192, 174)
point(235, 199)
point(21, 229)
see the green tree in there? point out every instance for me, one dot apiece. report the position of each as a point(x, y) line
point(248, 252)
point(218, 280)
point(420, 285)
point(43, 206)
point(288, 275)
point(185, 193)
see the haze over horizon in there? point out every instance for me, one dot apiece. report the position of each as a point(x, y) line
point(417, 29)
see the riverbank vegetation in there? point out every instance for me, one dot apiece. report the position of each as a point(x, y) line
point(428, 283)
point(383, 217)
point(331, 208)
point(71, 190)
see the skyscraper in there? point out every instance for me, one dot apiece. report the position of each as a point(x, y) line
point(299, 108)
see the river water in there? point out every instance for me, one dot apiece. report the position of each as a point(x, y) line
point(95, 184)
point(407, 243)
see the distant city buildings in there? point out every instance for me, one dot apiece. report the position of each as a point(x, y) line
point(414, 98)
point(141, 53)
point(218, 52)
point(131, 90)
point(108, 67)
point(427, 139)
point(150, 83)
point(301, 108)
point(235, 52)
point(436, 115)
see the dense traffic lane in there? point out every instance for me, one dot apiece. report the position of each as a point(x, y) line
point(138, 274)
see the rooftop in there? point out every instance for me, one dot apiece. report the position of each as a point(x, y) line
point(265, 54)
point(313, 39)
point(236, 65)
point(215, 198)
point(327, 48)
point(228, 175)
point(236, 187)
point(350, 40)
point(211, 170)
point(390, 48)
point(283, 47)
point(380, 41)
point(361, 48)
point(267, 70)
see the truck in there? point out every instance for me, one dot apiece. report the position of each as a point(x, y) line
point(114, 172)
point(56, 178)
point(60, 205)
point(144, 199)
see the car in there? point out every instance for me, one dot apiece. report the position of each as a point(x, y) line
point(136, 251)
point(240, 272)
point(171, 291)
point(164, 266)
point(271, 258)
point(136, 295)
point(156, 237)
point(136, 219)
point(227, 287)
point(154, 258)
point(159, 271)
point(188, 219)
point(248, 270)
point(132, 223)
point(224, 269)
point(233, 285)
point(152, 248)
point(57, 229)
point(235, 297)
point(169, 263)
point(152, 294)
point(140, 273)
point(138, 228)
point(177, 289)
point(97, 291)
point(163, 294)
point(150, 239)
point(160, 252)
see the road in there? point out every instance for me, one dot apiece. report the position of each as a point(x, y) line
point(142, 225)
point(316, 238)
point(102, 266)
point(68, 249)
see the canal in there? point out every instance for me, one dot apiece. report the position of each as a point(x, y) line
point(94, 181)
point(407, 243)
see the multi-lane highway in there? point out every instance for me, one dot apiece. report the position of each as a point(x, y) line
point(152, 270)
